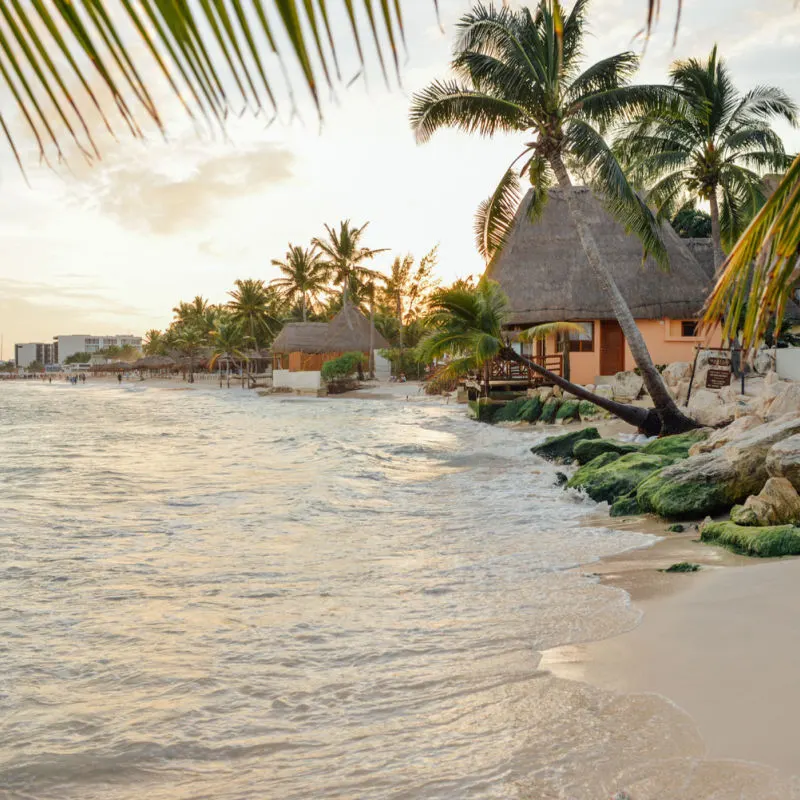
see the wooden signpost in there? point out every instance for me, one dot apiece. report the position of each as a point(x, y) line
point(719, 374)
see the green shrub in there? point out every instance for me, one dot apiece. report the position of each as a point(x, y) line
point(343, 367)
point(683, 566)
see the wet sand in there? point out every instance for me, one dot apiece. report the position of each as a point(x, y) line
point(723, 644)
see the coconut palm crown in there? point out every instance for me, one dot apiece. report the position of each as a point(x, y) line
point(304, 278)
point(714, 147)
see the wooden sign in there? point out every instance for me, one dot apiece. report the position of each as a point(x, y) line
point(721, 377)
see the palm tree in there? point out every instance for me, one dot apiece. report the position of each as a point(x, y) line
point(226, 342)
point(253, 306)
point(467, 325)
point(201, 50)
point(562, 332)
point(190, 341)
point(520, 72)
point(154, 344)
point(762, 268)
point(305, 277)
point(343, 256)
point(714, 147)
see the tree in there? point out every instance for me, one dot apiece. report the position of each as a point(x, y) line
point(519, 72)
point(190, 342)
point(715, 146)
point(257, 309)
point(406, 287)
point(343, 256)
point(154, 344)
point(304, 278)
point(227, 341)
point(762, 268)
point(467, 326)
point(199, 313)
point(692, 223)
point(35, 366)
point(78, 358)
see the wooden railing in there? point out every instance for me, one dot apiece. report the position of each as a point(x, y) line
point(500, 370)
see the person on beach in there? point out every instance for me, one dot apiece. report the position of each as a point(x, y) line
point(119, 377)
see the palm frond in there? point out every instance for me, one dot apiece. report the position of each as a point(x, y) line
point(541, 332)
point(494, 218)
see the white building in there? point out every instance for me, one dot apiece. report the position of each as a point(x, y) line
point(81, 343)
point(26, 354)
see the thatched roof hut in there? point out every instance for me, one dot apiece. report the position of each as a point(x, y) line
point(301, 337)
point(544, 270)
point(350, 330)
point(155, 362)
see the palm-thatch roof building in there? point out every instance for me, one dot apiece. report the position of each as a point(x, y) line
point(545, 273)
point(301, 348)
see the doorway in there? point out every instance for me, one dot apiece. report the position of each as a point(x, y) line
point(612, 347)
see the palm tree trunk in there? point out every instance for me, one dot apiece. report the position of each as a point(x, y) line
point(372, 338)
point(645, 420)
point(716, 231)
point(565, 365)
point(673, 421)
point(303, 305)
point(486, 379)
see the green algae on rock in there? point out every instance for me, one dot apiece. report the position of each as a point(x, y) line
point(589, 410)
point(531, 411)
point(626, 506)
point(588, 449)
point(511, 411)
point(764, 542)
point(568, 410)
point(560, 448)
point(550, 410)
point(611, 476)
point(675, 446)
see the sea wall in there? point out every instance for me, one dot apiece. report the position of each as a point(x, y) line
point(297, 381)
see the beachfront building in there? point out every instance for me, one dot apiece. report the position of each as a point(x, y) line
point(43, 352)
point(301, 348)
point(84, 343)
point(544, 271)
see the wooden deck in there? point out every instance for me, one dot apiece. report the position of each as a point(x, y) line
point(511, 376)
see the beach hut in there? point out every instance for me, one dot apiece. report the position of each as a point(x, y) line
point(155, 364)
point(544, 271)
point(301, 348)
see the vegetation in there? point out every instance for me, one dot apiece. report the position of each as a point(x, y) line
point(683, 566)
point(305, 277)
point(714, 146)
point(35, 366)
point(520, 71)
point(692, 223)
point(342, 368)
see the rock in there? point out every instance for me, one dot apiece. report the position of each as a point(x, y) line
point(589, 387)
point(681, 393)
point(754, 387)
point(703, 398)
point(627, 386)
point(676, 528)
point(557, 391)
point(604, 390)
point(674, 374)
point(561, 478)
point(677, 446)
point(588, 410)
point(771, 378)
point(730, 394)
point(719, 416)
point(549, 410)
point(532, 410)
point(484, 410)
point(559, 448)
point(776, 504)
point(783, 460)
point(765, 542)
point(545, 393)
point(787, 402)
point(568, 410)
point(625, 506)
point(510, 411)
point(610, 477)
point(715, 481)
point(589, 449)
point(764, 361)
point(722, 437)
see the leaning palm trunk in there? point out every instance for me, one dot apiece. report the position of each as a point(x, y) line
point(646, 420)
point(672, 420)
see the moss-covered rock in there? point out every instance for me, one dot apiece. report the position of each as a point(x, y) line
point(673, 499)
point(550, 410)
point(765, 542)
point(676, 528)
point(589, 410)
point(484, 410)
point(625, 506)
point(683, 566)
point(568, 410)
point(510, 411)
point(531, 411)
point(675, 446)
point(559, 448)
point(586, 450)
point(617, 478)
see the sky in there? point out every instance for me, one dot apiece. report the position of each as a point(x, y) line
point(113, 247)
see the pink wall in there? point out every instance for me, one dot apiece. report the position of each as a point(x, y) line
point(660, 336)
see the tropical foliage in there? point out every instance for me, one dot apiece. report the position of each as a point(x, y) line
point(715, 147)
point(345, 366)
point(692, 223)
point(305, 277)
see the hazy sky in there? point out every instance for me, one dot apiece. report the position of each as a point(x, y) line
point(113, 248)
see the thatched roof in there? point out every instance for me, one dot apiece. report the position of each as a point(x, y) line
point(703, 252)
point(154, 362)
point(350, 330)
point(303, 337)
point(544, 271)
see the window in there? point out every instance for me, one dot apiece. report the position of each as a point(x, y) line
point(582, 342)
point(688, 328)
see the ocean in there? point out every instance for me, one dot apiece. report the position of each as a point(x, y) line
point(209, 594)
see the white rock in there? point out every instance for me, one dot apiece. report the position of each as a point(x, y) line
point(787, 402)
point(604, 390)
point(776, 504)
point(703, 398)
point(783, 460)
point(545, 393)
point(730, 394)
point(677, 372)
point(764, 361)
point(627, 386)
point(721, 437)
point(771, 378)
point(716, 416)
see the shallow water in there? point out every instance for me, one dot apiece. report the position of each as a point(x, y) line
point(212, 595)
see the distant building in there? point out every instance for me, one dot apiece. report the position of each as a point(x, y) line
point(26, 354)
point(81, 343)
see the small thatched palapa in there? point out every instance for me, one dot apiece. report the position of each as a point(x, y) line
point(350, 330)
point(301, 337)
point(154, 362)
point(544, 271)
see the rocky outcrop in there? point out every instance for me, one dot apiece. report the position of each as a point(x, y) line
point(549, 410)
point(776, 504)
point(787, 400)
point(626, 506)
point(627, 386)
point(677, 446)
point(610, 476)
point(589, 449)
point(725, 435)
point(560, 448)
point(568, 410)
point(783, 460)
point(674, 374)
point(765, 542)
point(715, 481)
